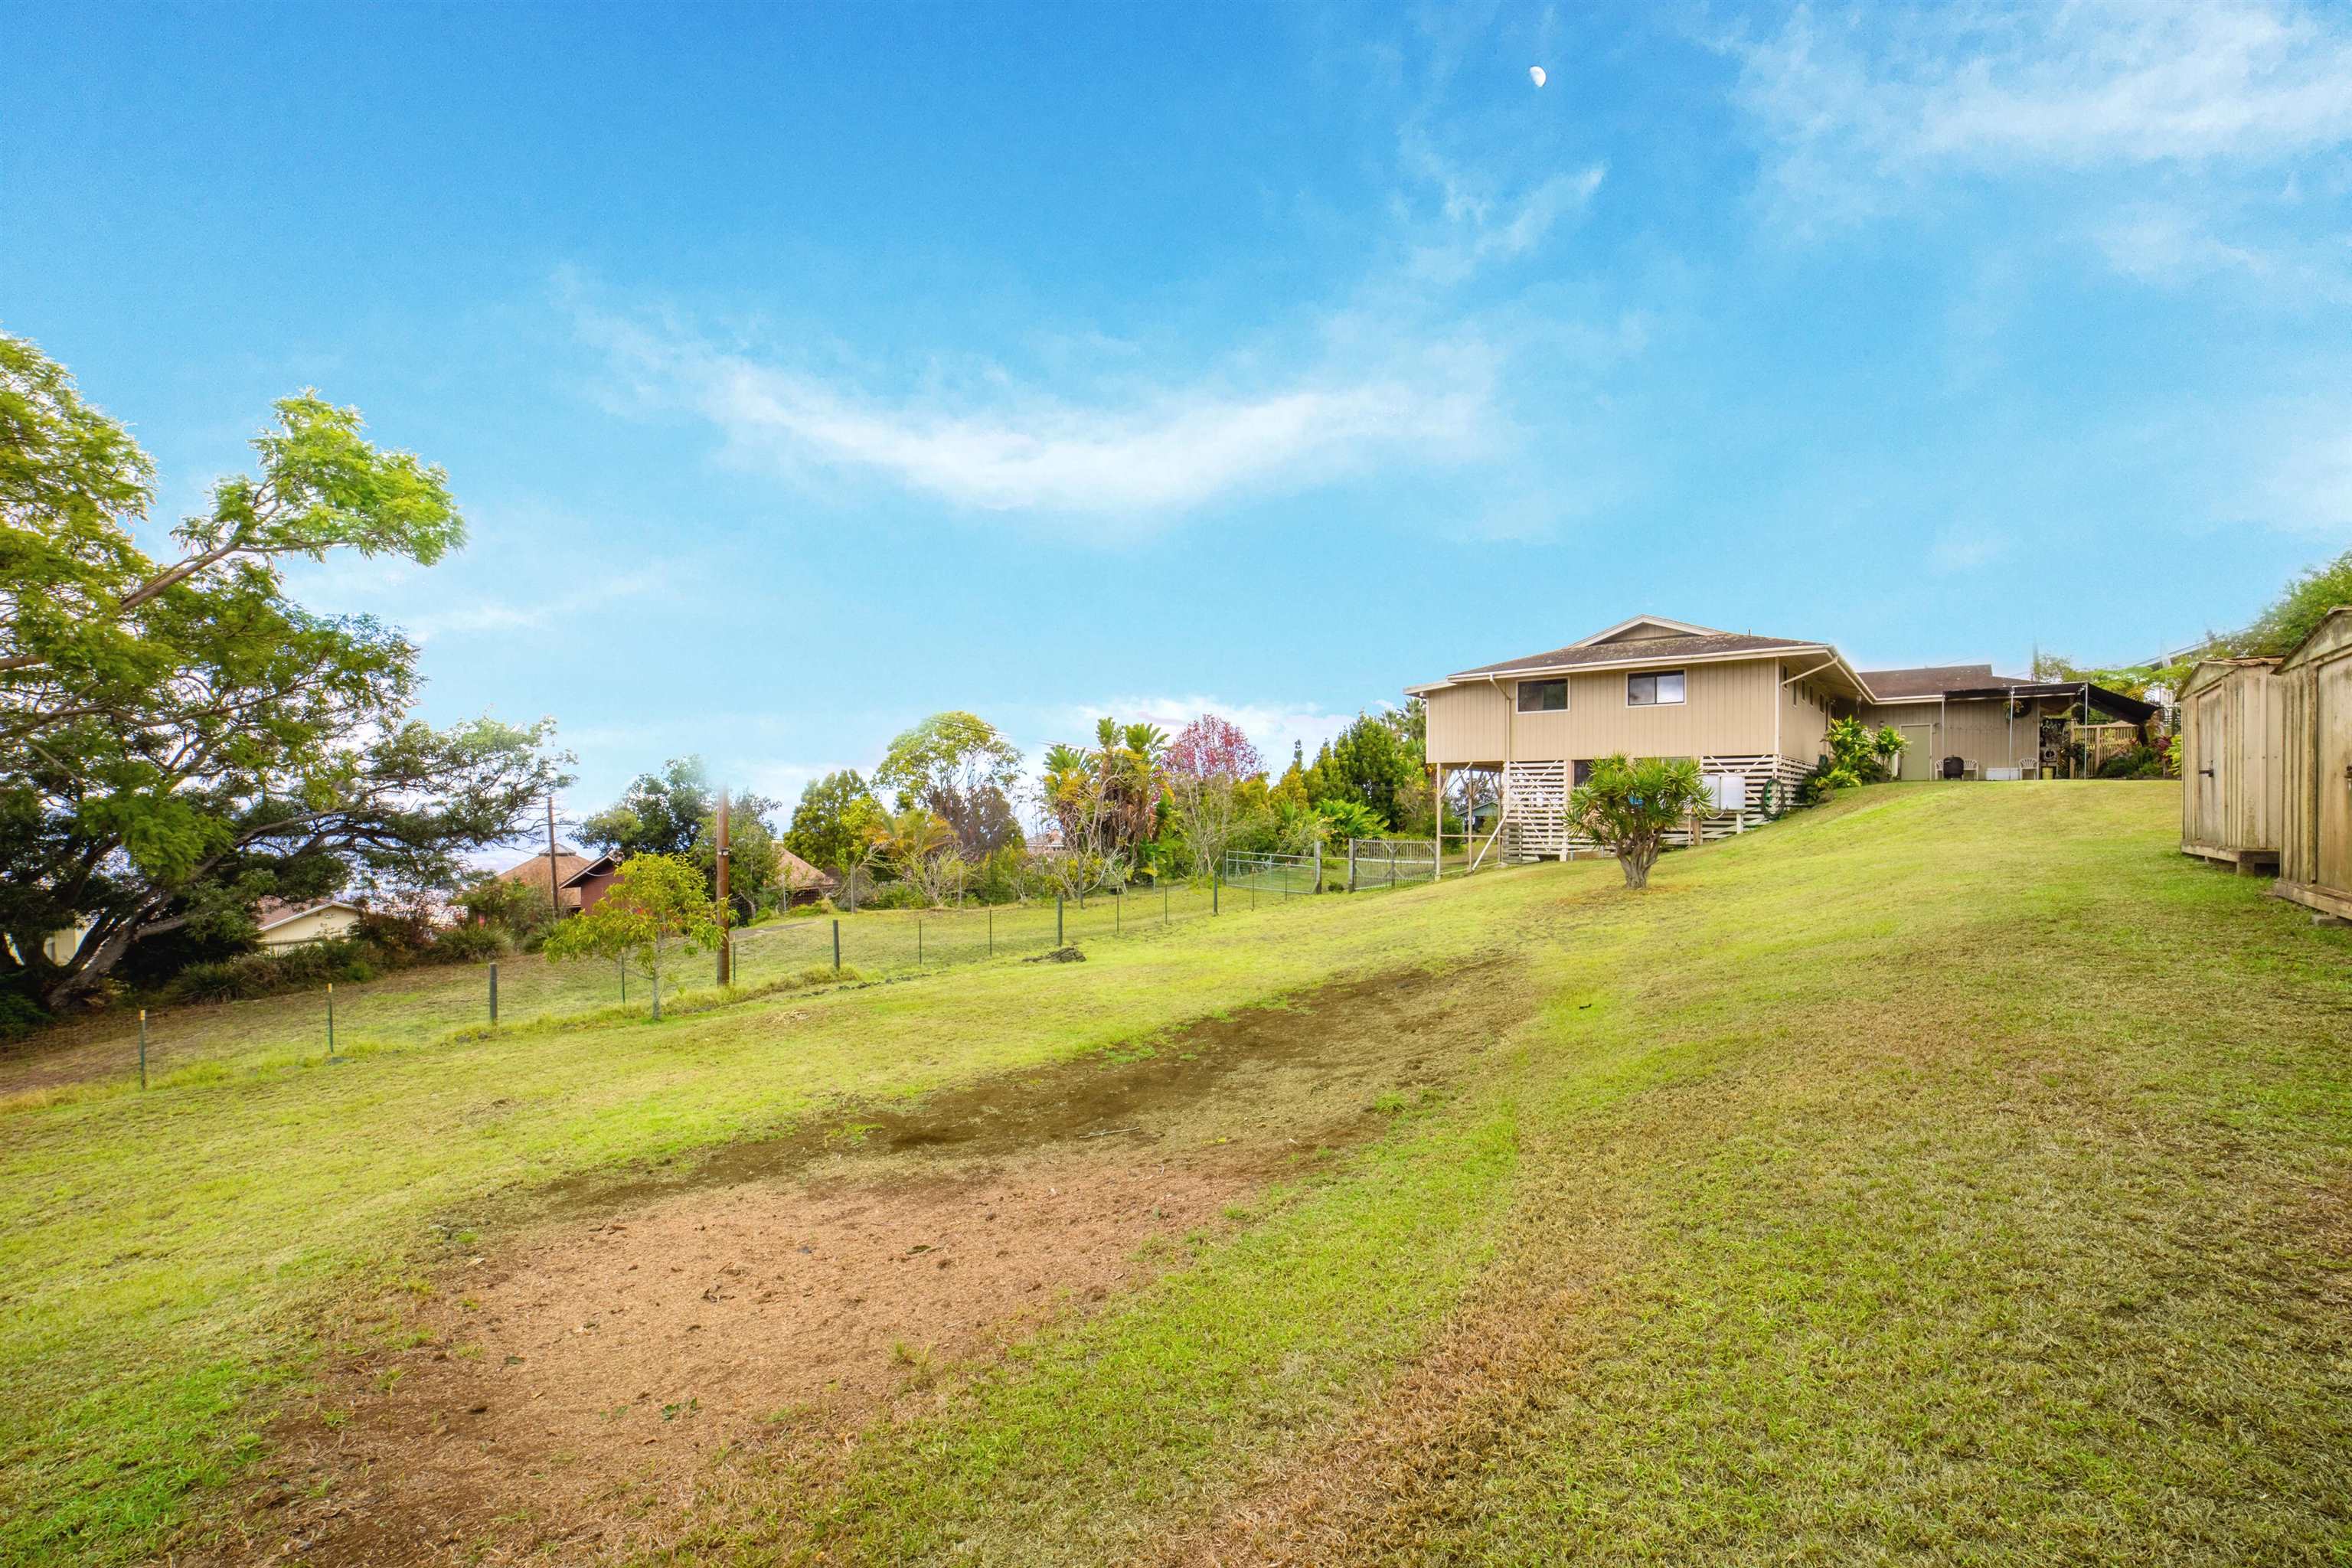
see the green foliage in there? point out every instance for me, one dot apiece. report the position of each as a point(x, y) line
point(654, 912)
point(470, 945)
point(1348, 819)
point(2137, 763)
point(19, 1014)
point(177, 739)
point(658, 813)
point(275, 971)
point(1373, 764)
point(835, 821)
point(521, 907)
point(1627, 807)
point(2301, 607)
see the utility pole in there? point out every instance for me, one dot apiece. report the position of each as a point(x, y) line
point(725, 953)
point(554, 883)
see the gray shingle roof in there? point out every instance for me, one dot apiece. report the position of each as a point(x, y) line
point(1646, 651)
point(1933, 680)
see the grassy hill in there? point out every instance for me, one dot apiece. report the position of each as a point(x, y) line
point(1954, 1174)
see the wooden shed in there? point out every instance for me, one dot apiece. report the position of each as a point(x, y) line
point(2231, 733)
point(2315, 818)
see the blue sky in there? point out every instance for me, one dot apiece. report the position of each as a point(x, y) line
point(802, 371)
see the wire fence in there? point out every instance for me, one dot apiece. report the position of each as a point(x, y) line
point(416, 1006)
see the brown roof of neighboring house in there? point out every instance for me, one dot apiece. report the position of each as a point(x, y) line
point(1646, 650)
point(1927, 680)
point(799, 873)
point(568, 864)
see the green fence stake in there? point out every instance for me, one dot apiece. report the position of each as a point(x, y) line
point(1057, 920)
point(624, 965)
point(331, 1020)
point(494, 996)
point(836, 947)
point(142, 1047)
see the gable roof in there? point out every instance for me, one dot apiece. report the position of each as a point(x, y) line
point(1646, 650)
point(1642, 628)
point(271, 913)
point(569, 863)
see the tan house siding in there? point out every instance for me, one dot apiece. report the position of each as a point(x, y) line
point(1466, 723)
point(314, 925)
point(1977, 730)
point(1727, 711)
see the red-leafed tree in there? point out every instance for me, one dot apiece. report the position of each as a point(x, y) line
point(1207, 764)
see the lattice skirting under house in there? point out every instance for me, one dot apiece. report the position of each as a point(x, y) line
point(1535, 805)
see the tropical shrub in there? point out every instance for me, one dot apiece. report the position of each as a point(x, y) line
point(1628, 808)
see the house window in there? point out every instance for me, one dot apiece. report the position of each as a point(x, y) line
point(1651, 690)
point(1542, 696)
point(1583, 771)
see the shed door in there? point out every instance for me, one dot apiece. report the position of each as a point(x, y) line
point(2205, 782)
point(1918, 759)
point(2333, 721)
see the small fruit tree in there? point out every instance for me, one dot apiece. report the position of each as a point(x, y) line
point(1628, 807)
point(656, 911)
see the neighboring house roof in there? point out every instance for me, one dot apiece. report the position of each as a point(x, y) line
point(568, 863)
point(799, 873)
point(604, 863)
point(271, 913)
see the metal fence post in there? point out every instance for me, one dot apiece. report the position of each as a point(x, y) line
point(494, 994)
point(836, 947)
point(1318, 869)
point(142, 1047)
point(1352, 864)
point(331, 1020)
point(1057, 920)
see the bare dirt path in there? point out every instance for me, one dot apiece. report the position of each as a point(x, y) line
point(575, 1380)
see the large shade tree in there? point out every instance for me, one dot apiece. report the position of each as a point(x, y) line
point(959, 767)
point(178, 739)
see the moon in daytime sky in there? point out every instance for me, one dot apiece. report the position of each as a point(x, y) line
point(1535, 75)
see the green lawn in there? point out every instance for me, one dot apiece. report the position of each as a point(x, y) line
point(1955, 1174)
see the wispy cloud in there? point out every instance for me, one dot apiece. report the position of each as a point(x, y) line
point(1858, 107)
point(1480, 219)
point(1958, 548)
point(2109, 82)
point(1133, 460)
point(494, 614)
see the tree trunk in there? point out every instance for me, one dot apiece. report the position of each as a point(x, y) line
point(1636, 860)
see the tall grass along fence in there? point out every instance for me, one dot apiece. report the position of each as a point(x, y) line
point(420, 1005)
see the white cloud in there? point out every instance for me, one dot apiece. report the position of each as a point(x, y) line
point(1137, 459)
point(1484, 234)
point(1960, 548)
point(1851, 111)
